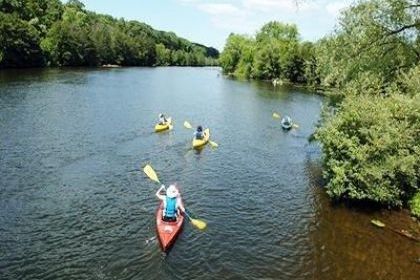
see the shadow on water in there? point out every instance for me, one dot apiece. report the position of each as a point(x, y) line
point(345, 245)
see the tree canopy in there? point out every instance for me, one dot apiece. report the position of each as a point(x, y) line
point(274, 52)
point(47, 32)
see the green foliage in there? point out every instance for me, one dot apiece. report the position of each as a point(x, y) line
point(415, 205)
point(19, 42)
point(310, 74)
point(245, 67)
point(39, 32)
point(371, 143)
point(232, 53)
point(372, 149)
point(275, 31)
point(163, 55)
point(275, 52)
point(267, 62)
point(378, 36)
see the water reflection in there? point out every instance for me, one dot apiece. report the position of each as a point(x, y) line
point(345, 245)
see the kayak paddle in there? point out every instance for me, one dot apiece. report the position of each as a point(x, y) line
point(400, 232)
point(151, 173)
point(187, 125)
point(213, 144)
point(148, 170)
point(197, 223)
point(276, 116)
point(378, 223)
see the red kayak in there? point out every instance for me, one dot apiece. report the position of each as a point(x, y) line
point(167, 232)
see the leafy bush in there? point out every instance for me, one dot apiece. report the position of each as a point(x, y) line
point(415, 205)
point(372, 144)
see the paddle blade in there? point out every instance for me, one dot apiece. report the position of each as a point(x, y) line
point(151, 173)
point(378, 223)
point(295, 125)
point(276, 116)
point(198, 223)
point(213, 144)
point(187, 125)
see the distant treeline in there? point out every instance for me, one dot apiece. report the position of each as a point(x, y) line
point(36, 33)
point(371, 67)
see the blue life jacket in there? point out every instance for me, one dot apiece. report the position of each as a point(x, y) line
point(199, 134)
point(170, 210)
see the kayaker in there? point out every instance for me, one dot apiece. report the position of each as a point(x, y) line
point(162, 119)
point(172, 206)
point(287, 120)
point(199, 134)
point(286, 123)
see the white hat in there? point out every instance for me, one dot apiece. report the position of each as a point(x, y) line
point(172, 191)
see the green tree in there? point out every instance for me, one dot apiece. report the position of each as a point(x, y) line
point(275, 52)
point(372, 31)
point(163, 55)
point(267, 61)
point(277, 31)
point(245, 67)
point(232, 53)
point(19, 43)
point(38, 31)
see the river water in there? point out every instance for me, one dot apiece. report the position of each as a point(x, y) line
point(74, 203)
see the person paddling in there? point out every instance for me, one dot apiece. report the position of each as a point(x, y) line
point(162, 119)
point(199, 133)
point(172, 206)
point(286, 122)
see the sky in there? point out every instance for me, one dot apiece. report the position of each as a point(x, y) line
point(209, 22)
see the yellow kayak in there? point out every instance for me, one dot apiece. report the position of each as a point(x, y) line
point(162, 127)
point(201, 142)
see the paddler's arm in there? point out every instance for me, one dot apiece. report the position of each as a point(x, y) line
point(180, 207)
point(158, 195)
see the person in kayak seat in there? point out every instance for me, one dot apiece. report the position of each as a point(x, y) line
point(162, 119)
point(199, 133)
point(172, 206)
point(286, 122)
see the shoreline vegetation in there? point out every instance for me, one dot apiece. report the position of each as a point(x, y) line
point(369, 67)
point(43, 33)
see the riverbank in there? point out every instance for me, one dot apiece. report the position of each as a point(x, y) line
point(369, 135)
point(322, 91)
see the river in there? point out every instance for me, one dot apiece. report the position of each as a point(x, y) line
point(74, 203)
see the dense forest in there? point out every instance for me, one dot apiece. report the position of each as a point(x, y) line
point(36, 33)
point(370, 133)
